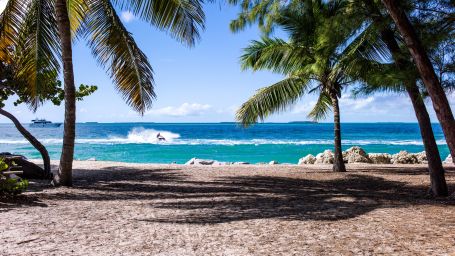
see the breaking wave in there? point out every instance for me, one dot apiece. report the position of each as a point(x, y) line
point(148, 136)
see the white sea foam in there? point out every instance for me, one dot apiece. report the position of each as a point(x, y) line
point(148, 136)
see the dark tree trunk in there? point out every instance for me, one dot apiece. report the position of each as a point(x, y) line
point(429, 78)
point(436, 170)
point(338, 163)
point(64, 176)
point(27, 135)
point(437, 178)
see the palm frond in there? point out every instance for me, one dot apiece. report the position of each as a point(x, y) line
point(38, 50)
point(77, 10)
point(265, 13)
point(321, 108)
point(275, 55)
point(275, 98)
point(184, 19)
point(11, 20)
point(114, 47)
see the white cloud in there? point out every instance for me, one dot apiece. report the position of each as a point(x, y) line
point(304, 108)
point(3, 5)
point(349, 102)
point(186, 109)
point(127, 16)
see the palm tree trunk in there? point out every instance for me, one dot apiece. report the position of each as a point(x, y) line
point(338, 163)
point(429, 78)
point(27, 135)
point(437, 178)
point(64, 176)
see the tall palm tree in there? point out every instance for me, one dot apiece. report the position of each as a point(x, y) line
point(419, 54)
point(387, 67)
point(312, 62)
point(42, 30)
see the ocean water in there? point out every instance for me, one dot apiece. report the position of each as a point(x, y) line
point(285, 143)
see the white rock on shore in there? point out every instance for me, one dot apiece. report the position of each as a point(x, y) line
point(380, 158)
point(196, 161)
point(273, 162)
point(421, 157)
point(356, 155)
point(404, 157)
point(324, 158)
point(309, 159)
point(448, 160)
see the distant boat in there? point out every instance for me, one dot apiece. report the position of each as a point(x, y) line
point(43, 123)
point(303, 122)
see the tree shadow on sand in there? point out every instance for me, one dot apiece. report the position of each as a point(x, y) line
point(21, 201)
point(297, 199)
point(238, 198)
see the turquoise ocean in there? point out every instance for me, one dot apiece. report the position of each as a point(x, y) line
point(283, 142)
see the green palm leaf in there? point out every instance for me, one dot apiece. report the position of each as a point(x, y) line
point(11, 20)
point(271, 99)
point(37, 49)
point(114, 47)
point(275, 55)
point(182, 18)
point(322, 107)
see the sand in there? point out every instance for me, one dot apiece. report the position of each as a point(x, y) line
point(133, 209)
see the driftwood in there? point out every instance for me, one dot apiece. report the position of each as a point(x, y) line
point(28, 169)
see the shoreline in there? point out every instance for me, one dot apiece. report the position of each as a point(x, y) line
point(352, 166)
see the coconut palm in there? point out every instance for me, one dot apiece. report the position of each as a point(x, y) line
point(43, 30)
point(423, 63)
point(311, 61)
point(399, 76)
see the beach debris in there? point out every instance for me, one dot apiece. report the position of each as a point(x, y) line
point(356, 155)
point(404, 157)
point(324, 158)
point(380, 158)
point(273, 162)
point(309, 159)
point(91, 159)
point(241, 163)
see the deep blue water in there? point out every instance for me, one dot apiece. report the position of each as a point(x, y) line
point(286, 143)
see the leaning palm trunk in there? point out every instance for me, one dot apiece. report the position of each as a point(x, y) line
point(438, 181)
point(64, 176)
point(429, 78)
point(28, 136)
point(338, 163)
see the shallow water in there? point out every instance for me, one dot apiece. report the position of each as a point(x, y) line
point(285, 143)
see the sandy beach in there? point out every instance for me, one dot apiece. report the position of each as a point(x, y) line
point(137, 209)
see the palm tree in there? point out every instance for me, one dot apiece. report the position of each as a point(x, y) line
point(311, 61)
point(382, 39)
point(42, 30)
point(422, 61)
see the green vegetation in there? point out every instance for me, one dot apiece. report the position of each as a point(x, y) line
point(8, 185)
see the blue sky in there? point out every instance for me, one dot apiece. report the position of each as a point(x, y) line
point(201, 84)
